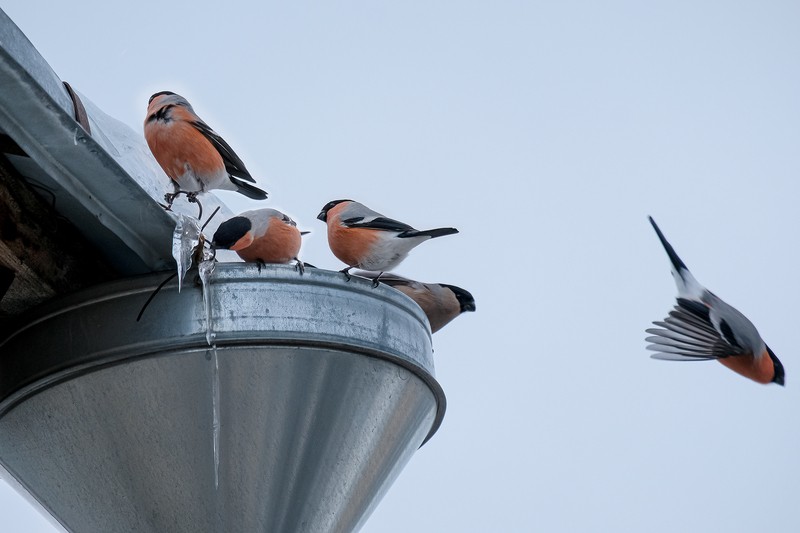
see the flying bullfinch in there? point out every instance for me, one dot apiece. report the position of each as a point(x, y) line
point(363, 238)
point(261, 236)
point(440, 302)
point(702, 326)
point(190, 152)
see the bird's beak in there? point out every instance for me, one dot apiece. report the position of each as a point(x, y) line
point(322, 216)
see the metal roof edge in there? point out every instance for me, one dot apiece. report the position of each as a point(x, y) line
point(116, 210)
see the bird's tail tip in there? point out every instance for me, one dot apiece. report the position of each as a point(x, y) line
point(673, 256)
point(437, 232)
point(249, 190)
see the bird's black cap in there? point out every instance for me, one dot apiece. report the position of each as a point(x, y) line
point(780, 375)
point(230, 231)
point(159, 94)
point(323, 215)
point(463, 296)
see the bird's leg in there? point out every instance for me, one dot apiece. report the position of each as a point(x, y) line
point(260, 264)
point(170, 196)
point(299, 266)
point(192, 198)
point(375, 281)
point(346, 272)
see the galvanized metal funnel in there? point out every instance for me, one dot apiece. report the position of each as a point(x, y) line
point(317, 395)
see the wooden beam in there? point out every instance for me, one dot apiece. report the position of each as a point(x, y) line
point(41, 253)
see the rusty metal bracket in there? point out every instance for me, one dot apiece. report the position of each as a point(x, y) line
point(79, 110)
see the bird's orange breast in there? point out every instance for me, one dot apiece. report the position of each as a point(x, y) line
point(350, 245)
point(280, 243)
point(759, 369)
point(178, 146)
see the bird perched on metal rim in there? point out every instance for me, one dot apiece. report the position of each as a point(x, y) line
point(440, 302)
point(261, 236)
point(363, 238)
point(702, 326)
point(190, 152)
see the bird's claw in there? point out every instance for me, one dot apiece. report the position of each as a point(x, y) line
point(170, 199)
point(299, 266)
point(190, 196)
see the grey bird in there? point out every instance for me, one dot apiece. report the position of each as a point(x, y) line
point(702, 326)
point(440, 302)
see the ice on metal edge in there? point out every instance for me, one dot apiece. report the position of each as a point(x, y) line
point(185, 239)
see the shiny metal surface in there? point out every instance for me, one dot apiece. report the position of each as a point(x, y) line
point(326, 389)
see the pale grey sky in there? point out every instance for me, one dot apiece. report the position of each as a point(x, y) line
point(546, 132)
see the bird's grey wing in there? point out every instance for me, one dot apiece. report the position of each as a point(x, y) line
point(233, 164)
point(356, 215)
point(260, 218)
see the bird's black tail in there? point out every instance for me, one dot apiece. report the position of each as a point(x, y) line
point(432, 233)
point(251, 191)
point(676, 261)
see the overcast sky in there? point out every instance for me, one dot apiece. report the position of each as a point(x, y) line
point(546, 132)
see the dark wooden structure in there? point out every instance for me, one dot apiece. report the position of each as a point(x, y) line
point(41, 253)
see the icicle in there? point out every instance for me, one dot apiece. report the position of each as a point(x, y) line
point(205, 269)
point(216, 409)
point(184, 241)
point(188, 244)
